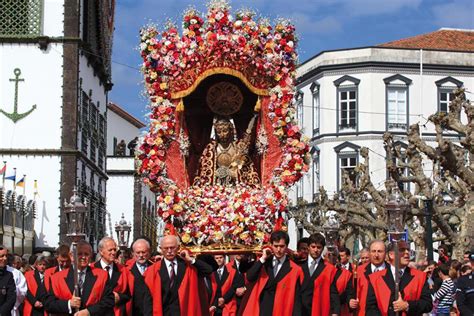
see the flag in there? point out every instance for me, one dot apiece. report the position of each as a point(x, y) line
point(21, 183)
point(3, 170)
point(13, 178)
point(35, 192)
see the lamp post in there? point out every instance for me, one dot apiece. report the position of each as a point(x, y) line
point(331, 232)
point(397, 207)
point(122, 229)
point(76, 213)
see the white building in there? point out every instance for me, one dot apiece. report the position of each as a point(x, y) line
point(348, 98)
point(126, 193)
point(54, 80)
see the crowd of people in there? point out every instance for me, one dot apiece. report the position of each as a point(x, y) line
point(313, 280)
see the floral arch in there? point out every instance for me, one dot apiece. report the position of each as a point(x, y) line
point(263, 59)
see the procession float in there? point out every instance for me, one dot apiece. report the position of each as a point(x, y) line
point(223, 146)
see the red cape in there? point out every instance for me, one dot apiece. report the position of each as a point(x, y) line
point(411, 292)
point(362, 288)
point(62, 292)
point(341, 285)
point(189, 302)
point(121, 287)
point(322, 288)
point(230, 309)
point(32, 287)
point(284, 294)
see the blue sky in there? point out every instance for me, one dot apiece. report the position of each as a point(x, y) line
point(320, 25)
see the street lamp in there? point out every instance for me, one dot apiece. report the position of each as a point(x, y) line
point(123, 233)
point(331, 232)
point(397, 208)
point(76, 214)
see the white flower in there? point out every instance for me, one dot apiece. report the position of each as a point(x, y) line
point(143, 46)
point(167, 43)
point(290, 43)
point(238, 23)
point(219, 15)
point(193, 21)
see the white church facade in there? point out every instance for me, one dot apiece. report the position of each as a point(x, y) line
point(55, 76)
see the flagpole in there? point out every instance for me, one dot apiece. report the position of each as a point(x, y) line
point(14, 181)
point(4, 173)
point(24, 185)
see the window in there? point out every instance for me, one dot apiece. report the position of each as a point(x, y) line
point(347, 102)
point(397, 102)
point(316, 107)
point(445, 98)
point(315, 176)
point(397, 108)
point(299, 107)
point(348, 109)
point(446, 87)
point(348, 164)
point(21, 18)
point(347, 159)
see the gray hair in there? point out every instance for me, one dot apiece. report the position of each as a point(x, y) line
point(178, 241)
point(378, 241)
point(40, 258)
point(102, 242)
point(141, 240)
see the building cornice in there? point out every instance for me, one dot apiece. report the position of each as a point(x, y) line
point(310, 75)
point(54, 152)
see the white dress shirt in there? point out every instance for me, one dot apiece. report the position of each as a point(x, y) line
point(281, 260)
point(346, 266)
point(103, 264)
point(379, 268)
point(21, 289)
point(168, 266)
point(393, 271)
point(310, 262)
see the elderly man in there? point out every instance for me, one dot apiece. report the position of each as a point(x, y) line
point(414, 296)
point(95, 293)
point(377, 252)
point(173, 281)
point(364, 256)
point(7, 285)
point(118, 275)
point(141, 303)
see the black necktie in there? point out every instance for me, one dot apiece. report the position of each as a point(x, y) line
point(107, 268)
point(172, 275)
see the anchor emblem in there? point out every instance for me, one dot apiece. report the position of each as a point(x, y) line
point(15, 116)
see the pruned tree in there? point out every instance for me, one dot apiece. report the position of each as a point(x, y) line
point(361, 206)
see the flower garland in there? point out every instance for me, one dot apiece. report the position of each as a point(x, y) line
point(215, 214)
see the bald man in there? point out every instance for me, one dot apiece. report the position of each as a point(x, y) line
point(173, 281)
point(377, 253)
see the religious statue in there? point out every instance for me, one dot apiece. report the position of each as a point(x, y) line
point(120, 148)
point(225, 160)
